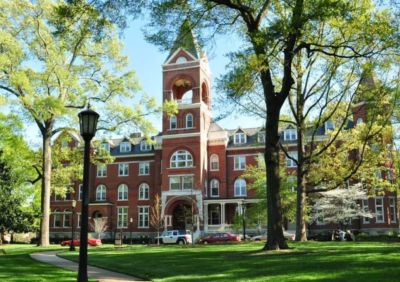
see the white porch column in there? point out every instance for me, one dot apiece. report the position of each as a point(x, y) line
point(165, 222)
point(205, 217)
point(197, 222)
point(223, 220)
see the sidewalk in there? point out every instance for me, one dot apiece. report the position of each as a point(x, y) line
point(97, 273)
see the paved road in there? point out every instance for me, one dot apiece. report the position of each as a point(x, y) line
point(100, 274)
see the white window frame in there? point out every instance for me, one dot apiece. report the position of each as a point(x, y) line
point(239, 138)
point(239, 189)
point(143, 216)
point(173, 122)
point(123, 169)
point(144, 191)
point(182, 182)
point(289, 161)
point(79, 218)
point(144, 146)
point(101, 170)
point(290, 134)
point(101, 195)
point(214, 186)
point(181, 159)
point(365, 205)
point(189, 119)
point(124, 147)
point(57, 214)
point(144, 168)
point(214, 162)
point(329, 125)
point(123, 192)
point(392, 209)
point(67, 214)
point(239, 162)
point(379, 211)
point(122, 217)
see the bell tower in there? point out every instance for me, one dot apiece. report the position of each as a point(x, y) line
point(186, 80)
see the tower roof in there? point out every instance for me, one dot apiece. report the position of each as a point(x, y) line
point(365, 85)
point(186, 40)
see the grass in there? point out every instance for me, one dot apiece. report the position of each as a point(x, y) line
point(319, 261)
point(17, 265)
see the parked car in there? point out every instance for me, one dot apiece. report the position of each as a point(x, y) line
point(180, 237)
point(91, 242)
point(220, 238)
point(263, 237)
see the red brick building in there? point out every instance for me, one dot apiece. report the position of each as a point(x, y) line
point(194, 164)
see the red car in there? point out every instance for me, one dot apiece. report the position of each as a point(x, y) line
point(220, 238)
point(91, 242)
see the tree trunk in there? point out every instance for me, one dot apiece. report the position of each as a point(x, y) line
point(275, 238)
point(301, 230)
point(46, 189)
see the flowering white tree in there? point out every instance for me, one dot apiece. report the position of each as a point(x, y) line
point(99, 225)
point(340, 206)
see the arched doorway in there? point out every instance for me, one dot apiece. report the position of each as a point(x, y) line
point(182, 217)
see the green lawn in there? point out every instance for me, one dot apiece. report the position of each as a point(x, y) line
point(321, 261)
point(17, 265)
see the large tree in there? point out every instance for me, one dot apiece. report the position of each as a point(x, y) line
point(274, 33)
point(50, 73)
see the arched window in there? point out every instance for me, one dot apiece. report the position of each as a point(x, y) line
point(172, 122)
point(189, 121)
point(144, 191)
point(214, 162)
point(122, 192)
point(181, 158)
point(240, 187)
point(67, 218)
point(214, 187)
point(101, 193)
point(57, 218)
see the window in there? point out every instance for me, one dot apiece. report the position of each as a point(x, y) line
point(101, 170)
point(144, 146)
point(123, 169)
point(181, 158)
point(172, 122)
point(143, 217)
point(122, 192)
point(78, 224)
point(80, 192)
point(289, 161)
point(214, 187)
point(144, 191)
point(101, 193)
point(392, 209)
point(261, 137)
point(189, 121)
point(239, 162)
point(68, 195)
point(240, 187)
point(215, 215)
point(329, 125)
point(359, 121)
point(214, 161)
point(122, 221)
point(58, 197)
point(105, 147)
point(290, 134)
point(379, 217)
point(240, 138)
point(125, 147)
point(181, 182)
point(366, 209)
point(67, 218)
point(57, 218)
point(144, 168)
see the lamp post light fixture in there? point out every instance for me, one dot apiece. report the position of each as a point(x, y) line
point(72, 245)
point(88, 125)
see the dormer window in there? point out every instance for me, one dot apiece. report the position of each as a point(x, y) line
point(290, 134)
point(125, 147)
point(144, 146)
point(105, 147)
point(172, 122)
point(189, 121)
point(359, 121)
point(240, 138)
point(261, 137)
point(329, 125)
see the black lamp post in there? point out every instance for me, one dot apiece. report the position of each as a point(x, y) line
point(88, 124)
point(72, 245)
point(244, 219)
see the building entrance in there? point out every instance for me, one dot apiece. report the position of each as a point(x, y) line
point(182, 217)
